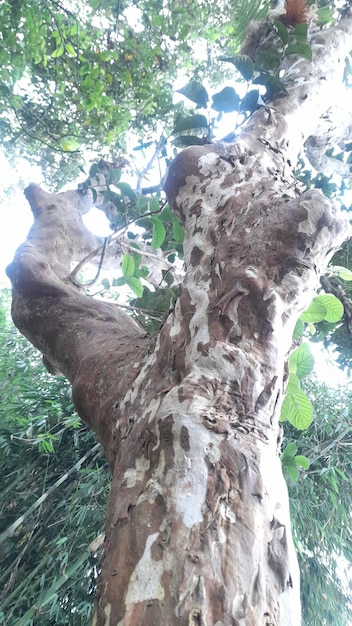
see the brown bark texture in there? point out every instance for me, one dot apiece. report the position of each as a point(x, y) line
point(197, 529)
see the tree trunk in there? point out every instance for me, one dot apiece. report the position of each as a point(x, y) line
point(197, 530)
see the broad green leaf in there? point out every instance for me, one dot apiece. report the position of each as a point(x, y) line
point(297, 409)
point(301, 361)
point(299, 49)
point(343, 272)
point(58, 52)
point(268, 59)
point(282, 31)
point(114, 176)
point(178, 232)
point(243, 64)
point(127, 266)
point(136, 286)
point(298, 329)
point(182, 141)
point(106, 283)
point(159, 233)
point(290, 450)
point(226, 100)
point(293, 383)
point(118, 282)
point(70, 50)
point(273, 84)
point(302, 461)
point(126, 190)
point(293, 472)
point(196, 92)
point(301, 31)
point(333, 306)
point(191, 122)
point(250, 101)
point(316, 312)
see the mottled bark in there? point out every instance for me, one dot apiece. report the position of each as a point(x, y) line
point(198, 529)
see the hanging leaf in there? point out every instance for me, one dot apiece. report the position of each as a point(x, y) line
point(190, 123)
point(178, 232)
point(127, 266)
point(273, 85)
point(70, 50)
point(343, 272)
point(301, 361)
point(243, 63)
point(323, 307)
point(333, 306)
point(126, 190)
point(300, 50)
point(136, 286)
point(159, 233)
point(182, 141)
point(282, 31)
point(302, 461)
point(269, 59)
point(314, 313)
point(226, 100)
point(195, 92)
point(297, 409)
point(250, 101)
point(301, 32)
point(298, 330)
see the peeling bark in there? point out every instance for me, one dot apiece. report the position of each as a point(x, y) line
point(198, 529)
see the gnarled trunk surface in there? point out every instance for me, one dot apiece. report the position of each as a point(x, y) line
point(198, 529)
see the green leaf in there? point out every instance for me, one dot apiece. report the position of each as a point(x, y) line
point(118, 282)
point(58, 52)
point(243, 64)
point(106, 283)
point(269, 59)
point(159, 233)
point(314, 313)
point(226, 100)
point(298, 329)
point(250, 101)
point(282, 31)
point(343, 272)
point(190, 123)
point(70, 50)
point(273, 85)
point(178, 232)
point(290, 451)
point(127, 266)
point(333, 306)
point(182, 141)
point(299, 49)
point(126, 190)
point(293, 472)
point(136, 286)
point(302, 461)
point(301, 31)
point(293, 383)
point(114, 176)
point(297, 409)
point(301, 361)
point(195, 92)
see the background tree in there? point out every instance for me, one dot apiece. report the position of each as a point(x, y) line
point(226, 300)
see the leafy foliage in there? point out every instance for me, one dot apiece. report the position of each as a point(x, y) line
point(44, 449)
point(321, 505)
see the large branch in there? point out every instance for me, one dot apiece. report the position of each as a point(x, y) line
point(90, 341)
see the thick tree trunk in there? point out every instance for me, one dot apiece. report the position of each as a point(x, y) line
point(198, 529)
